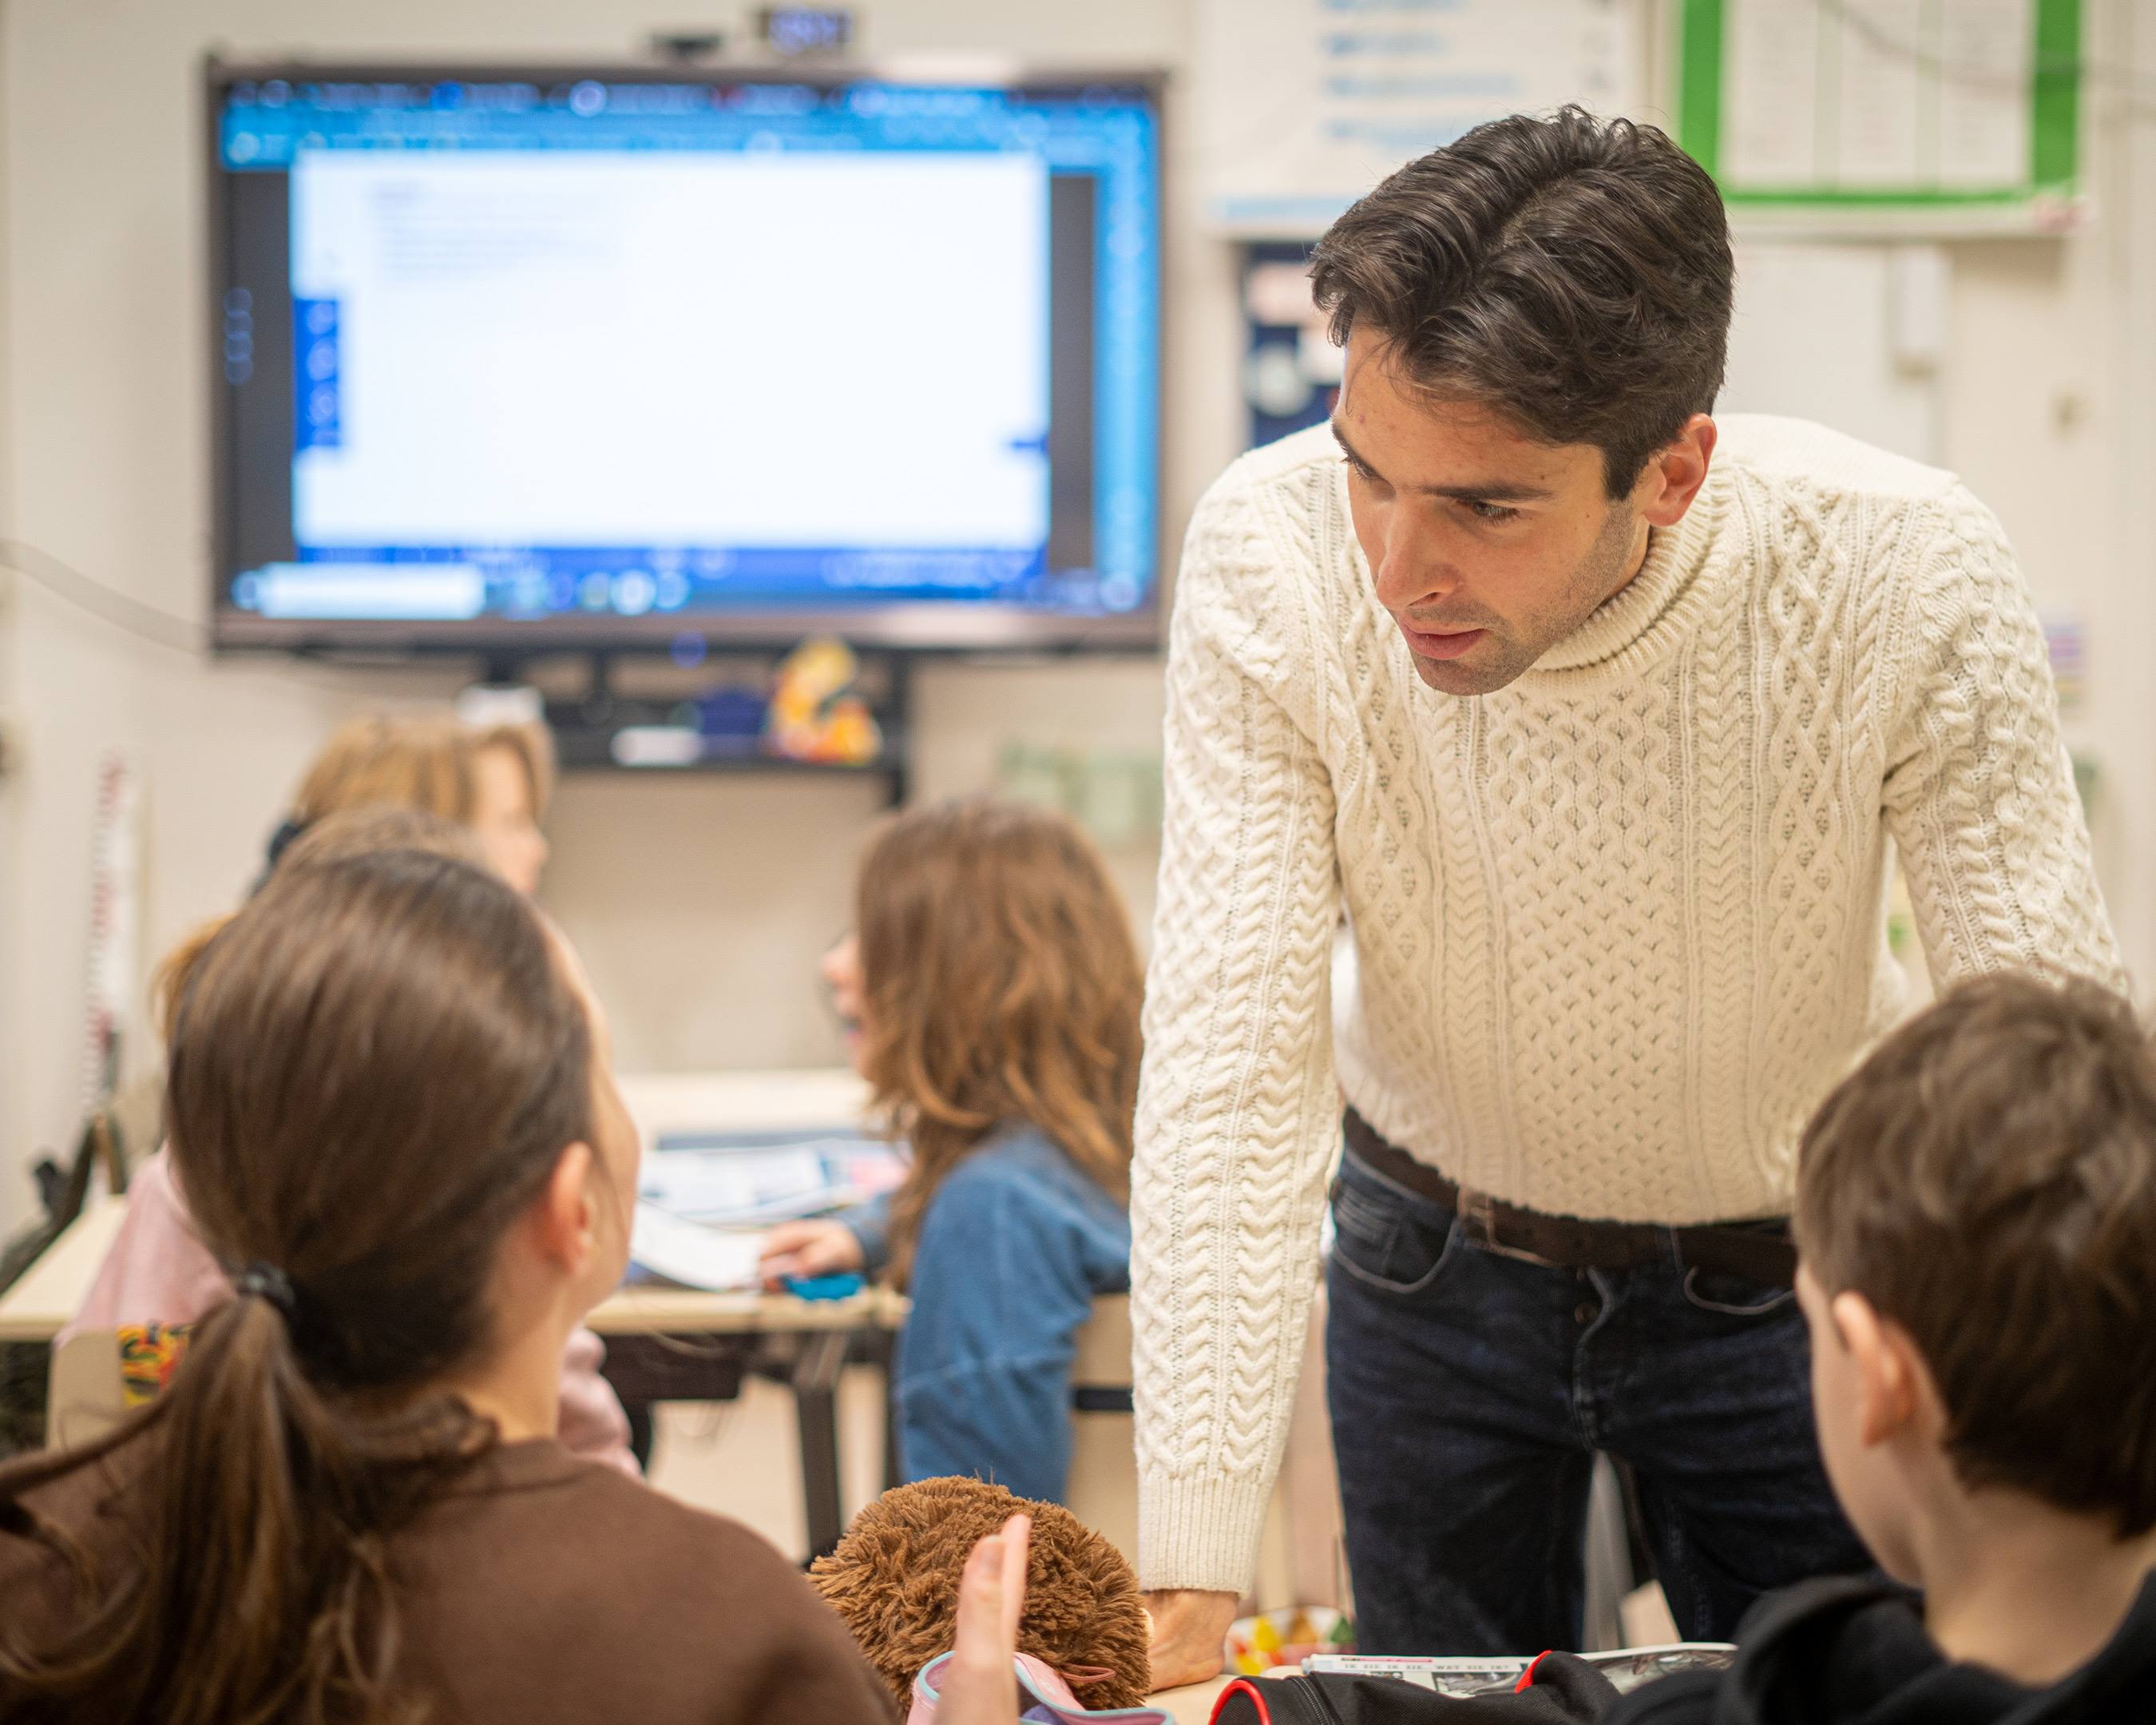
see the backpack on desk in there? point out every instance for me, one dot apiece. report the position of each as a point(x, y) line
point(1559, 1689)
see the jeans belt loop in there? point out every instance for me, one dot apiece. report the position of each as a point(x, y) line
point(1477, 1216)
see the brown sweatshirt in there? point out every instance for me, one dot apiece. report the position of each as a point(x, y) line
point(543, 1589)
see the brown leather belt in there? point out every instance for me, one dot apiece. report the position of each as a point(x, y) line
point(1758, 1251)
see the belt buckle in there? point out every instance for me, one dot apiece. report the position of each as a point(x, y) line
point(1478, 1216)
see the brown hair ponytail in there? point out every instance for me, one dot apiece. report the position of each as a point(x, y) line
point(374, 1066)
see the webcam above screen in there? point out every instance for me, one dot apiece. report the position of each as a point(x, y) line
point(550, 360)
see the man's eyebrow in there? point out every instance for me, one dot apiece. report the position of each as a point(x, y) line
point(1497, 490)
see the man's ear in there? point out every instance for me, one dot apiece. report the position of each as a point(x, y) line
point(1887, 1369)
point(563, 1224)
point(1674, 474)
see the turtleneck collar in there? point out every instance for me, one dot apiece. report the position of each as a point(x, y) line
point(1653, 612)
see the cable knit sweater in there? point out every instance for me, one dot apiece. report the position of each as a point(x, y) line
point(1619, 926)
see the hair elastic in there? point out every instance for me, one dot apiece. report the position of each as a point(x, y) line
point(281, 840)
point(266, 1282)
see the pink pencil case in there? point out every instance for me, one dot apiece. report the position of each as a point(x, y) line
point(1042, 1695)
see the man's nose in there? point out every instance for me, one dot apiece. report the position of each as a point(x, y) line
point(1415, 570)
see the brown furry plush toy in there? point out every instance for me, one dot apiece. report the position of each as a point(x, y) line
point(895, 1580)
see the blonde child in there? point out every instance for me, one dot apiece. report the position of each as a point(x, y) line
point(495, 781)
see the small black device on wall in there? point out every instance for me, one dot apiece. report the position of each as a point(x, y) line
point(805, 30)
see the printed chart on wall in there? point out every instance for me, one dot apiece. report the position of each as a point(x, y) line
point(1303, 106)
point(1867, 116)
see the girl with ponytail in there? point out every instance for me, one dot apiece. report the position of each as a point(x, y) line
point(391, 1105)
point(158, 1269)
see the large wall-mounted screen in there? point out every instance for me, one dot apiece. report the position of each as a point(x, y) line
point(565, 360)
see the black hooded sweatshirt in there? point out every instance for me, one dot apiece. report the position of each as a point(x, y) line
point(1854, 1653)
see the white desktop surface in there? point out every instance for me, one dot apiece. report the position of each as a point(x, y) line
point(51, 1291)
point(798, 1101)
point(1193, 1706)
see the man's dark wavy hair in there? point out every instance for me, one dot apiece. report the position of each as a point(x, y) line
point(1570, 273)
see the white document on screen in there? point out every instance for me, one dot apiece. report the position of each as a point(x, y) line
point(696, 1256)
point(573, 348)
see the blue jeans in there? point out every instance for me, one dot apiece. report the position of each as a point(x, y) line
point(1471, 1390)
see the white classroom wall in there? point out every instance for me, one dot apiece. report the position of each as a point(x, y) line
point(700, 904)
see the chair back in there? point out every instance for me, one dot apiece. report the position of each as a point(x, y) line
point(1103, 1487)
point(99, 1376)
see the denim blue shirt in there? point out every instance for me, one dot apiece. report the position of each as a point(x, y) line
point(1016, 1243)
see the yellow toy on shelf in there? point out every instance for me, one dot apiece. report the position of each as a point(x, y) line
point(812, 715)
point(1286, 1637)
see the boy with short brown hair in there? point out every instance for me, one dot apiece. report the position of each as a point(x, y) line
point(1976, 1211)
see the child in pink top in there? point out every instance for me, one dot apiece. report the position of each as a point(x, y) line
point(158, 1271)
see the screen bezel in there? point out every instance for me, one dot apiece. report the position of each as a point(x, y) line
point(958, 627)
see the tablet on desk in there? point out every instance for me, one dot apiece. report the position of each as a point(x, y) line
point(704, 1198)
point(752, 1179)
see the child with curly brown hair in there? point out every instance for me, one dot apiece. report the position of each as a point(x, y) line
point(991, 991)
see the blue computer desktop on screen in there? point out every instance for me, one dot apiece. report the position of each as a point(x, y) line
point(499, 350)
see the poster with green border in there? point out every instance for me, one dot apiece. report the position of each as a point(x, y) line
point(1806, 111)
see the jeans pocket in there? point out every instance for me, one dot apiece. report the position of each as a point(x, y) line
point(1381, 1243)
point(1734, 1296)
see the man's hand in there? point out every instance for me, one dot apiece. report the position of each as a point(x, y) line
point(980, 1687)
point(1189, 1629)
point(808, 1250)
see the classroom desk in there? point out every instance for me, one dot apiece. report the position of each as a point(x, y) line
point(46, 1298)
point(675, 1344)
point(40, 1304)
point(1193, 1706)
point(805, 1100)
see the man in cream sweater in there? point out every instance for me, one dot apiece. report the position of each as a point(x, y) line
point(1605, 724)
